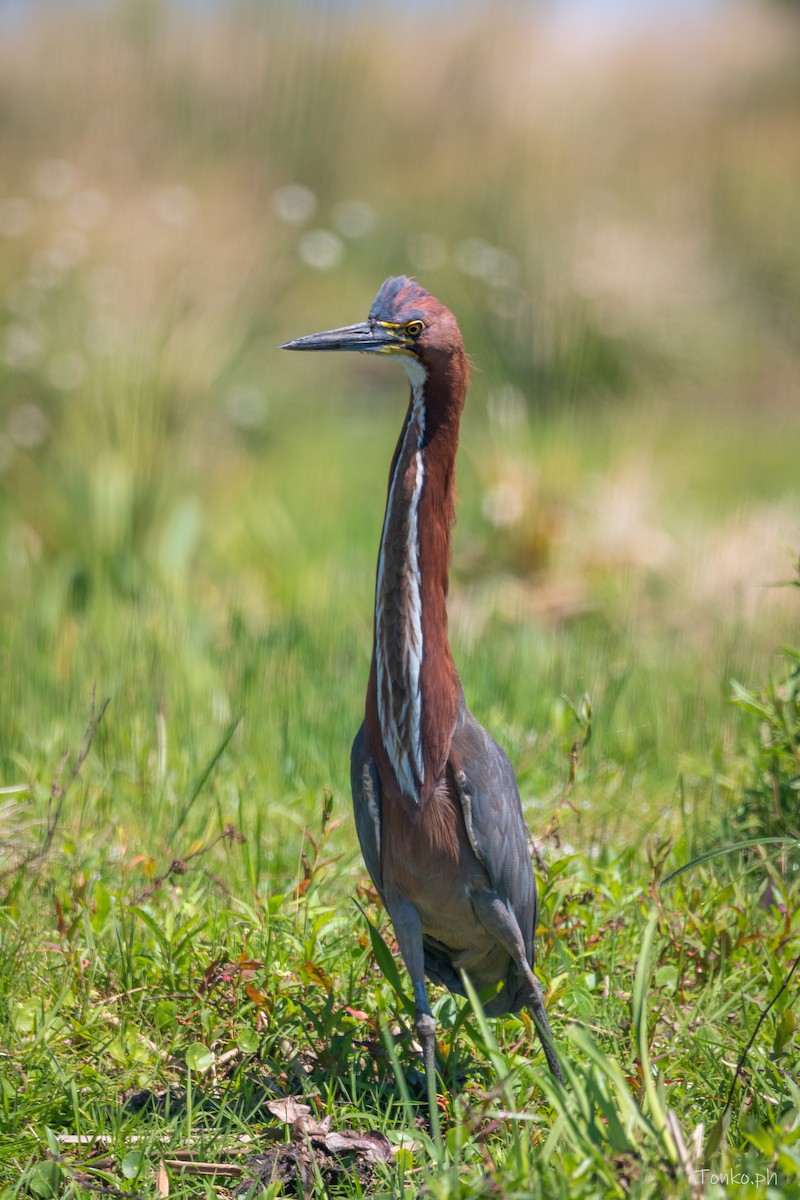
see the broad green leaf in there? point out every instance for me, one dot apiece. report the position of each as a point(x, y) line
point(44, 1179)
point(717, 1134)
point(26, 1015)
point(760, 1139)
point(749, 702)
point(166, 1012)
point(133, 1164)
point(199, 1058)
point(667, 976)
point(247, 1040)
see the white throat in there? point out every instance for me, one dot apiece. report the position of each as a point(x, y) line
point(416, 374)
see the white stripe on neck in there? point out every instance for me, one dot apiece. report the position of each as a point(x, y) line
point(402, 737)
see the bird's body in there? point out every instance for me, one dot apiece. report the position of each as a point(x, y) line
point(436, 803)
point(434, 860)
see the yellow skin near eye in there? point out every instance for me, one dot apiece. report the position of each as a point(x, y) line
point(411, 329)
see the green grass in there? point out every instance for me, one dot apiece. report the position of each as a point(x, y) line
point(188, 527)
point(121, 996)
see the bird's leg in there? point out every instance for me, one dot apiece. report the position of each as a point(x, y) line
point(537, 1010)
point(408, 931)
point(426, 1029)
point(496, 916)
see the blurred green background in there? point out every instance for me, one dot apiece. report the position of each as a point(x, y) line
point(189, 519)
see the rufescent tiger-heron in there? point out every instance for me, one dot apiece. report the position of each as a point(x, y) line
point(436, 803)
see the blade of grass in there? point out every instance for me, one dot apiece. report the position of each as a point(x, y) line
point(498, 1062)
point(639, 1012)
point(386, 963)
point(432, 1144)
point(201, 782)
point(732, 849)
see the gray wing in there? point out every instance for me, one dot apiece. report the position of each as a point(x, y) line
point(487, 789)
point(367, 807)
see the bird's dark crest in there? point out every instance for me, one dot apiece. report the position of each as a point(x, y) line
point(400, 298)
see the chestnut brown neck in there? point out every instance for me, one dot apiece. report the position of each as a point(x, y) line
point(414, 691)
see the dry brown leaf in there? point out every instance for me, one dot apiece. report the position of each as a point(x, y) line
point(257, 997)
point(318, 975)
point(162, 1182)
point(374, 1146)
point(309, 1127)
point(288, 1109)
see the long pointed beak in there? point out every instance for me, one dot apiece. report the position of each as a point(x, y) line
point(364, 336)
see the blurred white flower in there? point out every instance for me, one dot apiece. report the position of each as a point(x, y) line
point(67, 371)
point(246, 406)
point(294, 203)
point(174, 205)
point(65, 252)
point(21, 299)
point(623, 528)
point(102, 335)
point(105, 283)
point(503, 503)
point(478, 259)
point(354, 218)
point(16, 215)
point(472, 257)
point(88, 208)
point(503, 269)
point(506, 303)
point(507, 408)
point(44, 271)
point(55, 178)
point(23, 545)
point(69, 249)
point(635, 274)
point(427, 251)
point(22, 347)
point(27, 426)
point(321, 249)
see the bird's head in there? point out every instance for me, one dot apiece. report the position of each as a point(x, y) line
point(404, 320)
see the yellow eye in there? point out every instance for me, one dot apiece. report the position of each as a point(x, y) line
point(414, 328)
